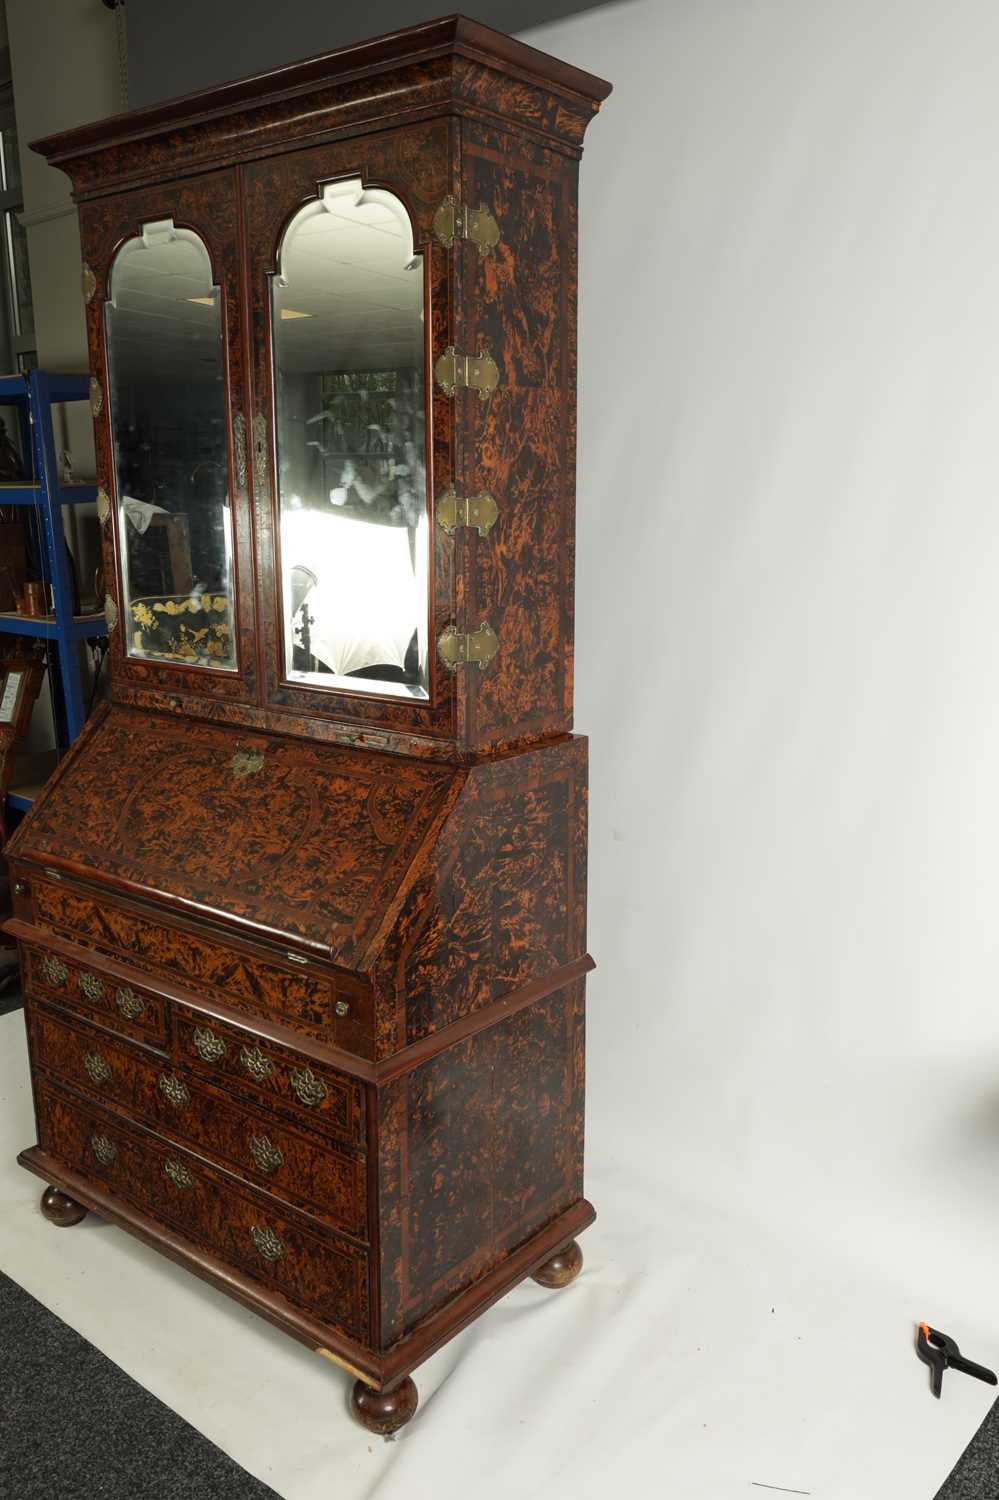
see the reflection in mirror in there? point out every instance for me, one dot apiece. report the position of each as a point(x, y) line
point(166, 375)
point(347, 310)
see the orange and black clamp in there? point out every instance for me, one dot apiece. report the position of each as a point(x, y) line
point(941, 1353)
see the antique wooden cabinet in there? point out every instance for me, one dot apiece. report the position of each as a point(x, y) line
point(302, 915)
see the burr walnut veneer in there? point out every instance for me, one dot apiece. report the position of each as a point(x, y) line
point(302, 913)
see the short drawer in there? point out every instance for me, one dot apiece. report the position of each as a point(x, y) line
point(310, 1268)
point(311, 1173)
point(285, 1080)
point(127, 1008)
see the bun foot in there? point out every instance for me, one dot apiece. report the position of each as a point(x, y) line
point(59, 1209)
point(563, 1267)
point(384, 1412)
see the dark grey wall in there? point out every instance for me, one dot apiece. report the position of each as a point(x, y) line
point(176, 46)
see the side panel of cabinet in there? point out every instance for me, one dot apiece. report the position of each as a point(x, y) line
point(208, 205)
point(478, 1149)
point(520, 302)
point(415, 163)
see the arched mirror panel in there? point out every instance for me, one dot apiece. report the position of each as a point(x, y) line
point(347, 306)
point(166, 374)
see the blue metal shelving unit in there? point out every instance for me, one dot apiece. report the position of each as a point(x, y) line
point(34, 394)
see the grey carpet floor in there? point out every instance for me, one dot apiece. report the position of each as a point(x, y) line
point(73, 1426)
point(975, 1476)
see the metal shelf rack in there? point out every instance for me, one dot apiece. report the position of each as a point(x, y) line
point(33, 394)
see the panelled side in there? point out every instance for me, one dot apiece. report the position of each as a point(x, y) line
point(520, 303)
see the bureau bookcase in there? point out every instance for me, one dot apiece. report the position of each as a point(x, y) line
point(302, 914)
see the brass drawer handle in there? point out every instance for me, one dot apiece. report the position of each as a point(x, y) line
point(208, 1045)
point(97, 1067)
point(310, 1089)
point(175, 1090)
point(267, 1156)
point(106, 1151)
point(54, 971)
point(256, 1064)
point(92, 987)
point(342, 1008)
point(178, 1174)
point(267, 1242)
point(129, 1003)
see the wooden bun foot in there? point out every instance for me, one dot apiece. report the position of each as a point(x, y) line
point(563, 1267)
point(384, 1412)
point(59, 1209)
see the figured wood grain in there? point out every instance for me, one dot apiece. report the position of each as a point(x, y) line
point(314, 1176)
point(318, 1271)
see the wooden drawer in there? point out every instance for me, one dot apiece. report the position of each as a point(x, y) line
point(307, 1171)
point(313, 1269)
point(286, 1081)
point(303, 996)
point(126, 1008)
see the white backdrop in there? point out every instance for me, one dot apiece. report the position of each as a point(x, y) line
point(788, 653)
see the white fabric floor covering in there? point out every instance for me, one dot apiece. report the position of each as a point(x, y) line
point(699, 1354)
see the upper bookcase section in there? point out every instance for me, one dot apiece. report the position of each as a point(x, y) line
point(332, 325)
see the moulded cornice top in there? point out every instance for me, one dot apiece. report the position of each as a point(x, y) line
point(452, 36)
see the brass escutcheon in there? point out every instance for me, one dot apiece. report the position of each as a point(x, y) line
point(310, 1089)
point(129, 1003)
point(267, 1242)
point(256, 1064)
point(106, 1151)
point(97, 1067)
point(92, 987)
point(207, 1045)
point(54, 971)
point(267, 1156)
point(174, 1089)
point(178, 1174)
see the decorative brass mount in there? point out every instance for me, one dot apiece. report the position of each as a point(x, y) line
point(476, 372)
point(110, 613)
point(453, 510)
point(103, 507)
point(453, 221)
point(458, 650)
point(96, 396)
point(88, 281)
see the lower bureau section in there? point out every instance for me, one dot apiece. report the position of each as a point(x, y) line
point(319, 1273)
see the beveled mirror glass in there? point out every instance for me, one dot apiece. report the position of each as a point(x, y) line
point(349, 355)
point(168, 416)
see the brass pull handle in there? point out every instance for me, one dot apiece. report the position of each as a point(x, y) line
point(239, 448)
point(267, 1242)
point(207, 1045)
point(20, 887)
point(310, 1089)
point(267, 1156)
point(106, 1151)
point(129, 1003)
point(178, 1174)
point(342, 1008)
point(256, 1064)
point(97, 1067)
point(54, 972)
point(92, 987)
point(174, 1089)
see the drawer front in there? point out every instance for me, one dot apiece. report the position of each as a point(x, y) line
point(126, 1008)
point(313, 1270)
point(285, 1080)
point(312, 1174)
point(301, 997)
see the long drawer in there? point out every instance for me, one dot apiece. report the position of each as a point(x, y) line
point(313, 1269)
point(307, 1171)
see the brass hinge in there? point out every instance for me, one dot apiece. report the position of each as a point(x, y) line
point(96, 396)
point(458, 650)
point(477, 372)
point(88, 281)
point(103, 507)
point(454, 510)
point(453, 221)
point(110, 613)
